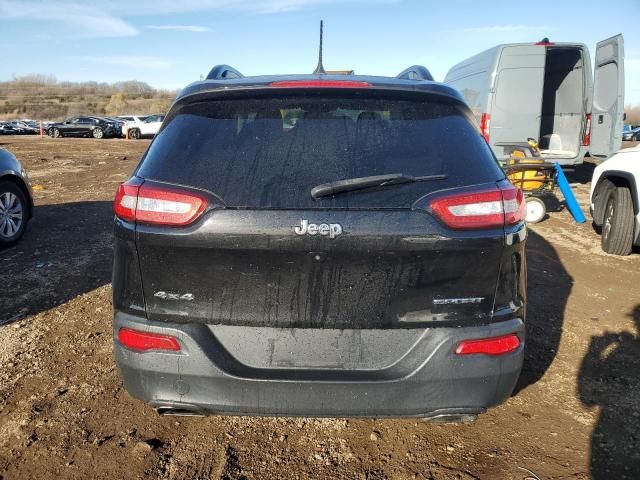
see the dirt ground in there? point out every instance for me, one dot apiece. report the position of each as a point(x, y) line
point(63, 412)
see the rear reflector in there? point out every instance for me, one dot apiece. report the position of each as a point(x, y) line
point(489, 346)
point(320, 84)
point(586, 137)
point(485, 126)
point(145, 341)
point(157, 205)
point(483, 209)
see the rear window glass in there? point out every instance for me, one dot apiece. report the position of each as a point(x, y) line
point(270, 152)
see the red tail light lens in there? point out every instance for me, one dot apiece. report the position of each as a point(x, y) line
point(125, 202)
point(586, 138)
point(489, 346)
point(157, 205)
point(145, 341)
point(485, 126)
point(484, 209)
point(320, 84)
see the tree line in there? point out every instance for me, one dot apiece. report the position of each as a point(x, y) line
point(43, 97)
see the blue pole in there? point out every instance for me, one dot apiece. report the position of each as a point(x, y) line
point(572, 203)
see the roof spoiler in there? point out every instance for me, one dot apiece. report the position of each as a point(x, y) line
point(223, 72)
point(415, 72)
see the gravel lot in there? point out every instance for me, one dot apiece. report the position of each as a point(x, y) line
point(64, 414)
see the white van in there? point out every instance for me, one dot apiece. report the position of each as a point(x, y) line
point(546, 91)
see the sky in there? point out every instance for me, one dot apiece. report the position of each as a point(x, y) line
point(171, 43)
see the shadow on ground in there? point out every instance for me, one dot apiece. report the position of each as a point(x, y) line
point(581, 173)
point(65, 252)
point(609, 378)
point(549, 287)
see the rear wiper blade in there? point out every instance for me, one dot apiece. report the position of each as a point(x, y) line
point(359, 183)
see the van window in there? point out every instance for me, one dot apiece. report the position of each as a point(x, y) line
point(270, 152)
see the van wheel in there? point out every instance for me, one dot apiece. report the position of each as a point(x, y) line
point(617, 227)
point(535, 210)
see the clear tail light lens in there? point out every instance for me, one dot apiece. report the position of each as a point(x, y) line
point(484, 209)
point(156, 205)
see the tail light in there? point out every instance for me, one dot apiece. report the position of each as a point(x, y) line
point(586, 137)
point(485, 126)
point(145, 341)
point(484, 209)
point(489, 346)
point(156, 205)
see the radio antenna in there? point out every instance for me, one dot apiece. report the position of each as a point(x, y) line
point(320, 69)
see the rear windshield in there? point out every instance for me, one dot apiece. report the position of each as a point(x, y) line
point(270, 152)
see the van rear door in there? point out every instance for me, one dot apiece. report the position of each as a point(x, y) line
point(608, 98)
point(517, 97)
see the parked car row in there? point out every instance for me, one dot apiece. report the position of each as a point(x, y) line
point(107, 127)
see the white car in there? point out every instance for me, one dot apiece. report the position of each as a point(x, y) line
point(131, 121)
point(615, 204)
point(145, 128)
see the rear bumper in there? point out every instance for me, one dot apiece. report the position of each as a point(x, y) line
point(428, 380)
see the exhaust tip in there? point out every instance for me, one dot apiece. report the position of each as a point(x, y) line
point(449, 419)
point(179, 412)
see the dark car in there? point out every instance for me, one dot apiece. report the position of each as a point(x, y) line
point(8, 128)
point(16, 199)
point(631, 134)
point(319, 245)
point(95, 127)
point(118, 124)
point(24, 127)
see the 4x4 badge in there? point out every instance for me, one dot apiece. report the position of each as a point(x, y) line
point(332, 230)
point(174, 296)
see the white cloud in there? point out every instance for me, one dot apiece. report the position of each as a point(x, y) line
point(163, 7)
point(106, 19)
point(179, 28)
point(134, 61)
point(84, 21)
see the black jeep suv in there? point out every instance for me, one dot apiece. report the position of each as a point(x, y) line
point(319, 245)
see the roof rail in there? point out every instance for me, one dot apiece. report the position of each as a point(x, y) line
point(223, 72)
point(415, 72)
